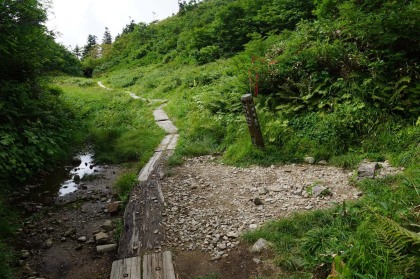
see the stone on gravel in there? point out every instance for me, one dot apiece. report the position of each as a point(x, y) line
point(317, 190)
point(49, 243)
point(262, 191)
point(367, 170)
point(70, 232)
point(309, 160)
point(232, 235)
point(82, 239)
point(101, 238)
point(106, 248)
point(260, 245)
point(108, 225)
point(253, 226)
point(76, 178)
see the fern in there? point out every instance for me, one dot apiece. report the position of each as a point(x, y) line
point(403, 244)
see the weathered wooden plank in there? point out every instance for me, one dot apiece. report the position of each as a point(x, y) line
point(126, 269)
point(167, 126)
point(165, 142)
point(158, 266)
point(149, 167)
point(160, 115)
point(143, 230)
point(173, 142)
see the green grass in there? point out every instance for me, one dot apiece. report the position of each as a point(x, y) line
point(356, 231)
point(124, 184)
point(120, 128)
point(204, 103)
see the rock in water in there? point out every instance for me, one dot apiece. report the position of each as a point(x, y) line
point(76, 178)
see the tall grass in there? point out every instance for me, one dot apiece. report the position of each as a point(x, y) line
point(120, 128)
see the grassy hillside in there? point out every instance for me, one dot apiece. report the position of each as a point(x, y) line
point(336, 79)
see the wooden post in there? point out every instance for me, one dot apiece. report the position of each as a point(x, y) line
point(252, 120)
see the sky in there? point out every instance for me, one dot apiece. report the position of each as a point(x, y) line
point(74, 20)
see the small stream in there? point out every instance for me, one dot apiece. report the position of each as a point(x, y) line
point(63, 180)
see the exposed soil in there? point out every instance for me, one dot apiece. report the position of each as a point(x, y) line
point(58, 240)
point(207, 207)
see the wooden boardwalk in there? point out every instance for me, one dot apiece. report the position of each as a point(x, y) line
point(140, 248)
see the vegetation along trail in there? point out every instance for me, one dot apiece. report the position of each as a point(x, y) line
point(335, 192)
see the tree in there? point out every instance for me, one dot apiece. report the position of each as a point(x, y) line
point(107, 38)
point(90, 45)
point(77, 52)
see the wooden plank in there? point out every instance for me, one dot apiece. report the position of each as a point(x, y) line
point(158, 266)
point(126, 269)
point(173, 142)
point(165, 142)
point(149, 167)
point(160, 115)
point(134, 96)
point(167, 126)
point(143, 230)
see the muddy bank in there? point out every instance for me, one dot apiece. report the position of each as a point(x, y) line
point(61, 238)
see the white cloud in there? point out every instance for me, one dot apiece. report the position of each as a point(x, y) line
point(76, 19)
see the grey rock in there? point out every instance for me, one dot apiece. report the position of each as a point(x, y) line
point(82, 239)
point(222, 246)
point(262, 191)
point(309, 160)
point(108, 225)
point(253, 226)
point(101, 238)
point(260, 245)
point(317, 190)
point(70, 232)
point(323, 162)
point(106, 248)
point(367, 170)
point(49, 243)
point(216, 258)
point(232, 235)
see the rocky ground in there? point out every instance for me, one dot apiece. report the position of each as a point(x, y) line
point(207, 207)
point(72, 236)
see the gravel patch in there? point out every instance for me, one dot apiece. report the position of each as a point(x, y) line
point(208, 205)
